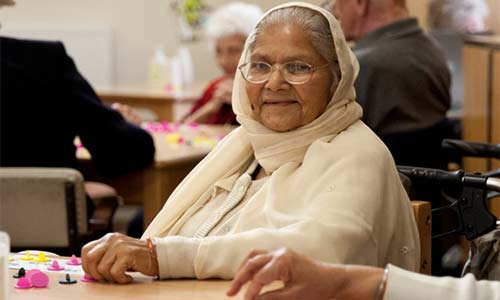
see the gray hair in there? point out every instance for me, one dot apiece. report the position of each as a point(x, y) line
point(234, 18)
point(313, 23)
point(458, 15)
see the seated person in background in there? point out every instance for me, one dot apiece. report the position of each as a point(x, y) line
point(302, 170)
point(45, 103)
point(227, 30)
point(305, 279)
point(403, 84)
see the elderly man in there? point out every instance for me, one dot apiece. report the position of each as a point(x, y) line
point(403, 83)
point(404, 88)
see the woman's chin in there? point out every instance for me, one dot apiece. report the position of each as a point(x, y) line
point(280, 125)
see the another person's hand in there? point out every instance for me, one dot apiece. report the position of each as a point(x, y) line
point(224, 91)
point(303, 278)
point(111, 256)
point(128, 113)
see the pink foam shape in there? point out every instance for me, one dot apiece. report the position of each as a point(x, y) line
point(55, 266)
point(74, 261)
point(23, 283)
point(86, 278)
point(39, 280)
point(31, 272)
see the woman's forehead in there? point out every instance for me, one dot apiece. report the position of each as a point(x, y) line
point(289, 42)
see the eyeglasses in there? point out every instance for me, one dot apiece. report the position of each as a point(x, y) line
point(294, 72)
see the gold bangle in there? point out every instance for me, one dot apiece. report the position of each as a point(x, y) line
point(152, 252)
point(379, 295)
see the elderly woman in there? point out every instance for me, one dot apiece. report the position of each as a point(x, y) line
point(228, 29)
point(302, 171)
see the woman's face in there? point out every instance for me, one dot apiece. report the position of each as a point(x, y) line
point(277, 104)
point(228, 50)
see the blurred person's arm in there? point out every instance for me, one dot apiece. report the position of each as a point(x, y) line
point(128, 113)
point(222, 96)
point(116, 145)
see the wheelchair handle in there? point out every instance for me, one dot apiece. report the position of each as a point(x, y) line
point(493, 184)
point(445, 177)
point(484, 150)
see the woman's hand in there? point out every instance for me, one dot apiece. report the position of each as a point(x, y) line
point(111, 256)
point(303, 278)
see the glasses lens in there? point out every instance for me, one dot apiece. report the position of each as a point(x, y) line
point(297, 72)
point(256, 71)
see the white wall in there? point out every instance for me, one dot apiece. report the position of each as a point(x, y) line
point(137, 27)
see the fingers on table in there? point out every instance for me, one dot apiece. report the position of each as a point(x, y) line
point(250, 265)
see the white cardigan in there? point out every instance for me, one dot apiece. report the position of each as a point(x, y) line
point(405, 285)
point(354, 210)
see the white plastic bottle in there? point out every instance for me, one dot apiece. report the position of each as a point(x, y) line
point(187, 65)
point(176, 81)
point(160, 69)
point(4, 265)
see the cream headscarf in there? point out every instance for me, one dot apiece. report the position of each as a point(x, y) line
point(272, 149)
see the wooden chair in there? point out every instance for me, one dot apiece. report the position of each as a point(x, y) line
point(423, 216)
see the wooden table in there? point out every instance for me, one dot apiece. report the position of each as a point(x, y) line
point(143, 288)
point(168, 106)
point(152, 186)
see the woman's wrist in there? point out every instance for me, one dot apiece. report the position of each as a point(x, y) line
point(358, 282)
point(214, 105)
point(153, 256)
point(379, 295)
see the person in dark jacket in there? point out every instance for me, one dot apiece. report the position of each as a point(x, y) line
point(403, 83)
point(45, 103)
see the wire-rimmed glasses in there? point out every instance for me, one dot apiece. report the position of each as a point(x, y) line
point(294, 72)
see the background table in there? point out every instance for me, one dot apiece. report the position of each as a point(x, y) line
point(167, 106)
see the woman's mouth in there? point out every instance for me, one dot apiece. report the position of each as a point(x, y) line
point(279, 102)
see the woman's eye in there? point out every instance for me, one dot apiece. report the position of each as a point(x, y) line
point(259, 67)
point(298, 68)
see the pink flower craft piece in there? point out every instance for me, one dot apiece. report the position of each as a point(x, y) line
point(74, 261)
point(55, 266)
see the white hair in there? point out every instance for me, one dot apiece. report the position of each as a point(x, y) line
point(458, 15)
point(314, 24)
point(234, 18)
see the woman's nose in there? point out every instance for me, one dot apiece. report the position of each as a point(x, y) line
point(276, 81)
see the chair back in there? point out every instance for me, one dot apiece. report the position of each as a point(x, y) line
point(423, 216)
point(43, 207)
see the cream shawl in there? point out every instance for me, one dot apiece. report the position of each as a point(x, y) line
point(315, 189)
